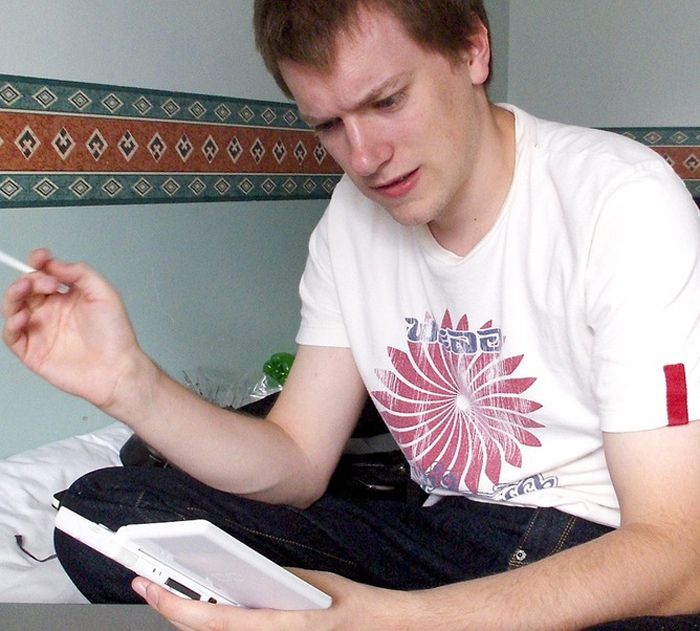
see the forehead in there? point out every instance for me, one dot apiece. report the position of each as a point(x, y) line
point(369, 54)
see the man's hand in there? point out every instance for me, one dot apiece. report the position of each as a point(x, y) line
point(81, 342)
point(355, 606)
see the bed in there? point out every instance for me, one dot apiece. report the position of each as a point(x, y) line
point(28, 481)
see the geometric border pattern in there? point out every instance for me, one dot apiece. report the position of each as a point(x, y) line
point(679, 146)
point(66, 143)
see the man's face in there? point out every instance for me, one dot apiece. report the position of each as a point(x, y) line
point(404, 123)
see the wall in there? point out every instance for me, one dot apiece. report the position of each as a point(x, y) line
point(499, 19)
point(213, 285)
point(606, 63)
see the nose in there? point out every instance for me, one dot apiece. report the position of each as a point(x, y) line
point(368, 148)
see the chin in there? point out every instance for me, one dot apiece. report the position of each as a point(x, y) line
point(409, 216)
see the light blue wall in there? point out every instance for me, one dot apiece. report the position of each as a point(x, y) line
point(212, 285)
point(606, 62)
point(499, 19)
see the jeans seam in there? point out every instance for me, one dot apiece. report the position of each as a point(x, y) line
point(513, 562)
point(296, 544)
point(565, 534)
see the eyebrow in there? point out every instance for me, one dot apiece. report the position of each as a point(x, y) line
point(373, 95)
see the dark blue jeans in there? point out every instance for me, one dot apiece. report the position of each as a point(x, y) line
point(389, 543)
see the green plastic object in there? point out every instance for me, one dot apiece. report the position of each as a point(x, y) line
point(278, 366)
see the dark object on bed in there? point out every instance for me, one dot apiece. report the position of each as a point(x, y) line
point(382, 474)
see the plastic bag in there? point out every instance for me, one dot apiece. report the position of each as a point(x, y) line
point(229, 389)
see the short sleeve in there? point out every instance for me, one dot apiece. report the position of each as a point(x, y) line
point(643, 305)
point(321, 318)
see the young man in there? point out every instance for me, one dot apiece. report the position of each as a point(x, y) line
point(519, 298)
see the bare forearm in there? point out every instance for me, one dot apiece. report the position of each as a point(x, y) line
point(230, 451)
point(626, 573)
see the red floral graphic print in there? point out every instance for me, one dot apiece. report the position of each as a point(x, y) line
point(454, 406)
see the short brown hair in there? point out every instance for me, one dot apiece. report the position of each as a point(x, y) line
point(305, 31)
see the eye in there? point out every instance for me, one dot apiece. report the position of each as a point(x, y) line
point(325, 126)
point(391, 101)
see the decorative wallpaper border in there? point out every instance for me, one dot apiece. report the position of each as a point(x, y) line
point(68, 144)
point(679, 146)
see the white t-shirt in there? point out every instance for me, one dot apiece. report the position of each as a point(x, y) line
point(578, 313)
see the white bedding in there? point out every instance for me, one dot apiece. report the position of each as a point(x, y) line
point(27, 483)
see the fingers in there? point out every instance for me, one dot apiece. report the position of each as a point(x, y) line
point(14, 297)
point(194, 615)
point(182, 613)
point(39, 258)
point(14, 328)
point(67, 273)
point(30, 290)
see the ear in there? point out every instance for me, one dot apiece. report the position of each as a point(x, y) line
point(478, 55)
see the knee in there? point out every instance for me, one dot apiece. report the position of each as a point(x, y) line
point(97, 496)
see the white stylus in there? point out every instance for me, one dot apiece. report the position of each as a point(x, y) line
point(12, 262)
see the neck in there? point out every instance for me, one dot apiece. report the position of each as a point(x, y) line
point(460, 231)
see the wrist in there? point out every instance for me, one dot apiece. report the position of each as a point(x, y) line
point(134, 388)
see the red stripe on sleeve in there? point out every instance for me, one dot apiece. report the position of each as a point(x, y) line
point(676, 394)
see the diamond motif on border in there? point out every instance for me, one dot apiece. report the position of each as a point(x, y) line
point(127, 145)
point(290, 117)
point(170, 107)
point(692, 162)
point(268, 115)
point(197, 186)
point(222, 186)
point(328, 185)
point(112, 187)
point(300, 152)
point(268, 186)
point(320, 153)
point(27, 142)
point(279, 151)
point(257, 150)
point(143, 187)
point(668, 159)
point(222, 112)
point(653, 137)
point(96, 145)
point(80, 188)
point(246, 186)
point(63, 143)
point(45, 97)
point(157, 147)
point(679, 137)
point(210, 149)
point(184, 148)
point(289, 186)
point(142, 105)
point(234, 149)
point(197, 110)
point(112, 102)
point(80, 100)
point(246, 114)
point(9, 95)
point(170, 187)
point(45, 188)
point(309, 185)
point(9, 188)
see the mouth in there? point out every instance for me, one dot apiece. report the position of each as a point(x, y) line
point(398, 186)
